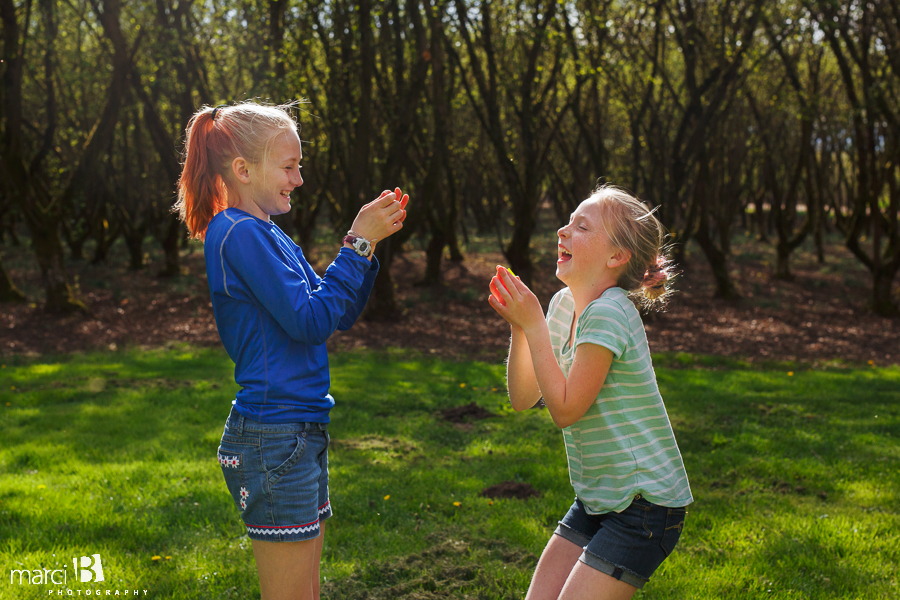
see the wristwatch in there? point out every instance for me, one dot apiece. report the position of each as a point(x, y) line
point(361, 245)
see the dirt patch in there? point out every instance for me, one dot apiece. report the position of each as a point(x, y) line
point(785, 488)
point(449, 569)
point(465, 414)
point(374, 443)
point(511, 489)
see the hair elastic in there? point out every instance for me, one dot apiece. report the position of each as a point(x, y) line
point(216, 110)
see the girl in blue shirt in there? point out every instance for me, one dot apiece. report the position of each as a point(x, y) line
point(274, 314)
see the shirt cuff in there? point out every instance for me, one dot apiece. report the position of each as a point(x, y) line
point(352, 254)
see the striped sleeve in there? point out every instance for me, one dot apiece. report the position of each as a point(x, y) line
point(604, 323)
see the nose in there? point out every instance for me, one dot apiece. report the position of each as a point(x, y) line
point(298, 179)
point(562, 232)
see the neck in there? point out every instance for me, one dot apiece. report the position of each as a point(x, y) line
point(585, 294)
point(236, 200)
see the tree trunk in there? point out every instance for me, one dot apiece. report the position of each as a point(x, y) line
point(725, 287)
point(8, 290)
point(434, 193)
point(762, 230)
point(434, 254)
point(74, 241)
point(820, 244)
point(50, 257)
point(782, 262)
point(305, 211)
point(882, 300)
point(105, 239)
point(518, 252)
point(383, 307)
point(409, 83)
point(718, 260)
point(135, 244)
point(170, 245)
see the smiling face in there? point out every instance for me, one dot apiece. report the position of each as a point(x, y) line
point(586, 256)
point(272, 181)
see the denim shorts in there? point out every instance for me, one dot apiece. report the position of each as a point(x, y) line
point(628, 545)
point(277, 474)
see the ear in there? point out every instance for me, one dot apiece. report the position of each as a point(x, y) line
point(619, 259)
point(240, 170)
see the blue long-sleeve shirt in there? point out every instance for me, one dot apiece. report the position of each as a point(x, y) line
point(274, 315)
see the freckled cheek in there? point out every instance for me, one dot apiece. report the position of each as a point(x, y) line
point(586, 247)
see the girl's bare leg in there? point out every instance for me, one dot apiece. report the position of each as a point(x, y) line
point(557, 561)
point(288, 570)
point(586, 583)
point(317, 560)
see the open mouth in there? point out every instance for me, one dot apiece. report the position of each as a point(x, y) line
point(564, 255)
point(286, 194)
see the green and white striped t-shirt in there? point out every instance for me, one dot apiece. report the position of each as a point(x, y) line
point(624, 444)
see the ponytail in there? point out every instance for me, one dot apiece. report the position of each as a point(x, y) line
point(655, 286)
point(201, 189)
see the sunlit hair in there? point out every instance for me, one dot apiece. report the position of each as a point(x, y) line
point(631, 226)
point(245, 130)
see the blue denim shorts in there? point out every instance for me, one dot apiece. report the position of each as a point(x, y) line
point(277, 474)
point(628, 545)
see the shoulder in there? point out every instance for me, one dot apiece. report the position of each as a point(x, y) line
point(612, 303)
point(241, 229)
point(613, 308)
point(244, 240)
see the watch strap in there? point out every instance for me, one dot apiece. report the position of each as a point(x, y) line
point(360, 245)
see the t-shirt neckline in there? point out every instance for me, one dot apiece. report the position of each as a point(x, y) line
point(268, 223)
point(565, 349)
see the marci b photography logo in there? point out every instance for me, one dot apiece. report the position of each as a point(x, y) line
point(87, 569)
point(91, 568)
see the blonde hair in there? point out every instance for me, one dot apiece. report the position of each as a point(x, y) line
point(630, 225)
point(213, 139)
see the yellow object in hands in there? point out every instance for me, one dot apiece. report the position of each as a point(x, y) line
point(510, 271)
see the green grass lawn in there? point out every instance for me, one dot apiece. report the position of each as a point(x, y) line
point(795, 476)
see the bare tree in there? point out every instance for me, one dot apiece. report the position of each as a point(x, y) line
point(865, 41)
point(511, 74)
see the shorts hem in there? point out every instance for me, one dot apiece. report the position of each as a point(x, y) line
point(615, 571)
point(571, 535)
point(284, 533)
point(290, 533)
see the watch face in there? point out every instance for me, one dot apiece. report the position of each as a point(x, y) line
point(363, 246)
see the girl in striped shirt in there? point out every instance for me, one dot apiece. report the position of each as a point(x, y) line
point(590, 362)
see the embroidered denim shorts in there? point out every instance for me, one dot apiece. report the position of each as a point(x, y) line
point(277, 474)
point(629, 545)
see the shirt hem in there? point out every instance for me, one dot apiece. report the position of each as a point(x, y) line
point(289, 417)
point(591, 510)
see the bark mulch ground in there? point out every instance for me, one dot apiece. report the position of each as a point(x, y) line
point(817, 317)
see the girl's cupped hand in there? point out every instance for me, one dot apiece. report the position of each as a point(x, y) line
point(382, 217)
point(514, 301)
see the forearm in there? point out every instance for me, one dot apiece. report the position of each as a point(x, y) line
point(362, 297)
point(318, 311)
point(520, 379)
point(550, 378)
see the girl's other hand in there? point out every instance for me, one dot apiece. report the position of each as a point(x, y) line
point(382, 217)
point(514, 301)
